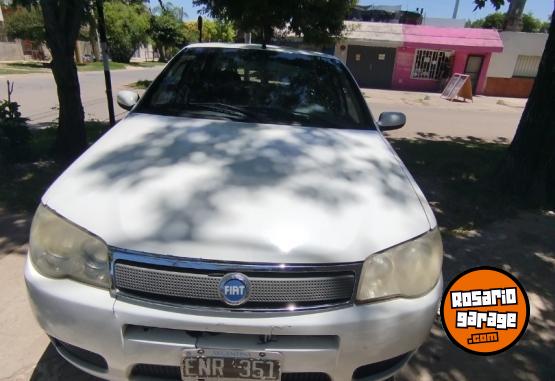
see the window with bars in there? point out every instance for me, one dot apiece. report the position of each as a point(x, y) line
point(430, 64)
point(527, 66)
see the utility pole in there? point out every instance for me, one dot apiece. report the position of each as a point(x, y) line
point(456, 10)
point(199, 26)
point(106, 64)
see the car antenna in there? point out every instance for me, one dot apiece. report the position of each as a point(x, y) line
point(263, 39)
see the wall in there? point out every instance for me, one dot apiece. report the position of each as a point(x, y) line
point(377, 34)
point(403, 68)
point(515, 44)
point(509, 87)
point(11, 51)
point(402, 72)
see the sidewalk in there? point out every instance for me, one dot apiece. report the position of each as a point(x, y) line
point(429, 116)
point(434, 100)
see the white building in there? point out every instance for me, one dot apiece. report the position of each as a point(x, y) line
point(512, 72)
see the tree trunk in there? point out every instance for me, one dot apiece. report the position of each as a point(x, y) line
point(62, 20)
point(528, 170)
point(78, 54)
point(162, 53)
point(93, 36)
point(513, 21)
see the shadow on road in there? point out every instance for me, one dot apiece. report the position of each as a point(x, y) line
point(52, 367)
point(481, 226)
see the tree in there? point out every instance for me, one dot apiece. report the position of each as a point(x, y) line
point(27, 24)
point(318, 21)
point(127, 26)
point(93, 31)
point(218, 31)
point(212, 31)
point(530, 23)
point(528, 169)
point(514, 15)
point(62, 21)
point(167, 31)
point(498, 21)
point(492, 21)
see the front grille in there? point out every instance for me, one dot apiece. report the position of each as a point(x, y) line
point(165, 372)
point(269, 290)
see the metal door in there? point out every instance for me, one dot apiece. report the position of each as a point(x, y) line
point(371, 66)
point(473, 68)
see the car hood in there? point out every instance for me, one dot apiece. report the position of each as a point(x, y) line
point(224, 190)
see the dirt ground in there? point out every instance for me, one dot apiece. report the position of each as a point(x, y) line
point(475, 233)
point(524, 246)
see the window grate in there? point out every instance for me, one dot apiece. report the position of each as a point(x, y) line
point(527, 66)
point(430, 64)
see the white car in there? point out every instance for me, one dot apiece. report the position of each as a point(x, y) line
point(246, 221)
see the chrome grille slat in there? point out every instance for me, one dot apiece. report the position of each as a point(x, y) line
point(268, 289)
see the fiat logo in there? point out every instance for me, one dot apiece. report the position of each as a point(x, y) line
point(235, 289)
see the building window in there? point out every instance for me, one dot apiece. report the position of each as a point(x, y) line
point(430, 64)
point(527, 66)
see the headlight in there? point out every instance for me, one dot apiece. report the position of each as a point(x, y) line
point(60, 249)
point(408, 270)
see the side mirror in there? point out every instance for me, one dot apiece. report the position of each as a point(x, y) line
point(127, 99)
point(391, 121)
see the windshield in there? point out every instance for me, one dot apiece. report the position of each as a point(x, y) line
point(258, 85)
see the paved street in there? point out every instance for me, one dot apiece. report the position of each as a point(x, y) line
point(430, 116)
point(36, 93)
point(488, 118)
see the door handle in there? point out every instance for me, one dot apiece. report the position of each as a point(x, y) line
point(370, 66)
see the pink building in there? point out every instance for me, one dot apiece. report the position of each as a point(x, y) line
point(416, 57)
point(429, 54)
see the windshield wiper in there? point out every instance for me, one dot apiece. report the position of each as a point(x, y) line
point(223, 108)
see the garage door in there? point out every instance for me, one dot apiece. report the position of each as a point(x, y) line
point(371, 66)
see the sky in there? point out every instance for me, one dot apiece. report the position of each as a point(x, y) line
point(432, 8)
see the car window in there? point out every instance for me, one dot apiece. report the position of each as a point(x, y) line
point(266, 86)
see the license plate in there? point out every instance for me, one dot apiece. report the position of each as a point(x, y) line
point(225, 364)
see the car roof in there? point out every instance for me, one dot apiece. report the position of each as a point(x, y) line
point(275, 48)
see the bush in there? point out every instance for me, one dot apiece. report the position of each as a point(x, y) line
point(126, 28)
point(26, 24)
point(14, 133)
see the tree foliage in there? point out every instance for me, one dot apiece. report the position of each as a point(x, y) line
point(27, 24)
point(530, 23)
point(127, 26)
point(492, 21)
point(167, 30)
point(318, 21)
point(497, 20)
point(212, 31)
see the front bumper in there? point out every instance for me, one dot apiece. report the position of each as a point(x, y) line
point(126, 333)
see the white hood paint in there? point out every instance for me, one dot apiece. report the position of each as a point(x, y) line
point(222, 190)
